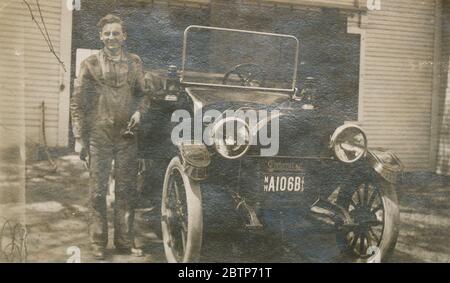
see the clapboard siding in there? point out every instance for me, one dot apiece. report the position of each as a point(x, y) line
point(444, 98)
point(12, 125)
point(42, 72)
point(397, 79)
point(342, 4)
point(351, 4)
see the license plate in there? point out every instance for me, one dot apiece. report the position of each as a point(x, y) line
point(283, 176)
point(283, 183)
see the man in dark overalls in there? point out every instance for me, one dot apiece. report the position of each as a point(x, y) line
point(109, 97)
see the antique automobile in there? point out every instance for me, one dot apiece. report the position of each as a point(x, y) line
point(246, 129)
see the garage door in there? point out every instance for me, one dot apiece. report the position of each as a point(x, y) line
point(397, 79)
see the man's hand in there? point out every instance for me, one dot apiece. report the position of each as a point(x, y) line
point(80, 148)
point(135, 119)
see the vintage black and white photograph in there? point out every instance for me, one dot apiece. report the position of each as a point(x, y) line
point(224, 131)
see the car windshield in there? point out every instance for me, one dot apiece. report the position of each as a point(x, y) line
point(242, 59)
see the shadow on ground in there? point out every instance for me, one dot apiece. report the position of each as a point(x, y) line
point(56, 213)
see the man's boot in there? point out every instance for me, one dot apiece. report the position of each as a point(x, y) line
point(130, 251)
point(98, 252)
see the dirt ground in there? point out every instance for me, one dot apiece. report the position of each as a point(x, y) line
point(56, 216)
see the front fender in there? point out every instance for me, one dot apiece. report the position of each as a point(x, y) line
point(385, 163)
point(195, 159)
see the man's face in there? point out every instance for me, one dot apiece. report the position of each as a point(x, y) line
point(113, 36)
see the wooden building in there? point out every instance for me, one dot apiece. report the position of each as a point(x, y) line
point(397, 71)
point(30, 74)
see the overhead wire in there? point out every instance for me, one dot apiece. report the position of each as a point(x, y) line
point(44, 31)
point(43, 23)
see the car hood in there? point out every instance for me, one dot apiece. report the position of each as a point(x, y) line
point(305, 133)
point(302, 132)
point(207, 96)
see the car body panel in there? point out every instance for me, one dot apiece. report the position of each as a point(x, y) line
point(206, 96)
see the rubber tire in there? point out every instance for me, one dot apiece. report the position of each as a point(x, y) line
point(389, 198)
point(194, 211)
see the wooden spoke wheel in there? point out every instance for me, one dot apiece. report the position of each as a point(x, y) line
point(181, 215)
point(374, 214)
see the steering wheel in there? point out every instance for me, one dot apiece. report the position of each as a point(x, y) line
point(249, 74)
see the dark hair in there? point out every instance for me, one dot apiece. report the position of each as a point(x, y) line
point(109, 19)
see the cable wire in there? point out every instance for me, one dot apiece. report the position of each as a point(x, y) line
point(44, 32)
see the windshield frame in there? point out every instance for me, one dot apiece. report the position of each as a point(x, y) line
point(294, 79)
